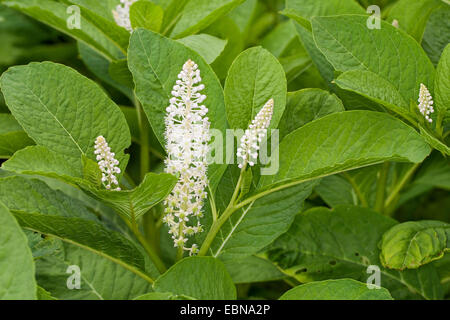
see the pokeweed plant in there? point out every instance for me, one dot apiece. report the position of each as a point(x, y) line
point(360, 136)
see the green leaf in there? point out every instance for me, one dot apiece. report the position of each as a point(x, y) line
point(12, 136)
point(132, 204)
point(349, 45)
point(38, 160)
point(375, 88)
point(435, 38)
point(342, 289)
point(42, 294)
point(162, 296)
point(118, 70)
point(145, 14)
point(327, 244)
point(255, 226)
point(442, 85)
point(16, 262)
point(254, 77)
point(199, 278)
point(344, 141)
point(64, 111)
point(306, 105)
point(101, 16)
point(100, 67)
point(414, 243)
point(101, 279)
point(207, 46)
point(55, 14)
point(311, 8)
point(89, 236)
point(199, 14)
point(412, 16)
point(433, 141)
point(155, 78)
point(21, 194)
point(243, 270)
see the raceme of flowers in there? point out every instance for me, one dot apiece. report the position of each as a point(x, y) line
point(122, 14)
point(187, 136)
point(247, 153)
point(425, 102)
point(107, 164)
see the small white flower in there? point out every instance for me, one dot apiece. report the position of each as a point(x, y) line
point(395, 23)
point(247, 153)
point(187, 137)
point(122, 14)
point(425, 102)
point(107, 164)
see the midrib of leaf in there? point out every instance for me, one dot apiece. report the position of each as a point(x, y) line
point(233, 229)
point(103, 255)
point(254, 87)
point(56, 119)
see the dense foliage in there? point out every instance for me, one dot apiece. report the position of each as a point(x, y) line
point(103, 197)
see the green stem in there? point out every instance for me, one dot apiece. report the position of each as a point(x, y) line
point(151, 253)
point(392, 197)
point(217, 224)
point(381, 187)
point(144, 131)
point(151, 232)
point(355, 187)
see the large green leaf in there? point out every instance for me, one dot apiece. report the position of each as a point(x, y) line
point(64, 111)
point(349, 45)
point(442, 85)
point(375, 88)
point(414, 243)
point(435, 38)
point(12, 136)
point(145, 14)
point(243, 270)
point(207, 46)
point(342, 243)
point(38, 160)
point(199, 278)
point(21, 194)
point(16, 262)
point(341, 289)
point(306, 105)
point(255, 226)
point(412, 16)
point(132, 204)
point(88, 235)
point(155, 78)
point(199, 14)
point(344, 141)
point(311, 8)
point(101, 279)
point(254, 77)
point(55, 14)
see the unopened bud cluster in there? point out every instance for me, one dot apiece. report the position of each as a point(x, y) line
point(107, 163)
point(247, 153)
point(187, 136)
point(122, 14)
point(425, 102)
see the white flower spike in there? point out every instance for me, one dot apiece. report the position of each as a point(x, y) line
point(107, 164)
point(187, 136)
point(122, 14)
point(247, 153)
point(425, 102)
